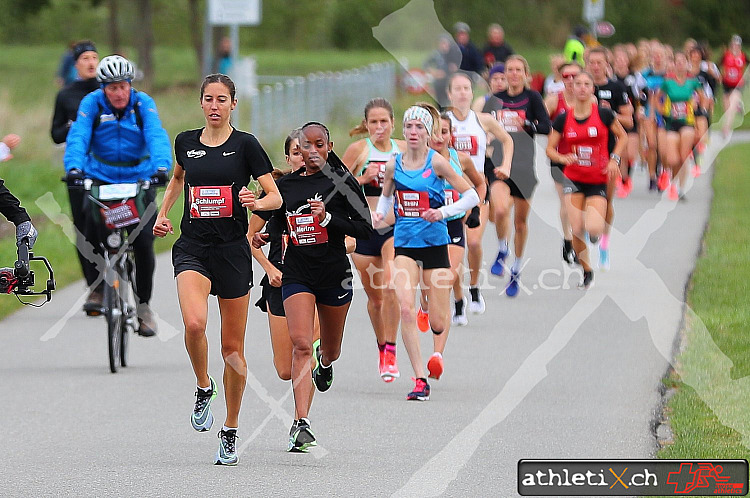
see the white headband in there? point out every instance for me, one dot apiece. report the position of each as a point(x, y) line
point(420, 113)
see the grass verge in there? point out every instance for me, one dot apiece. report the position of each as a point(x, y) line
point(708, 413)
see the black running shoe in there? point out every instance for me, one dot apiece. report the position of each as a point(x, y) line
point(568, 253)
point(322, 376)
point(587, 281)
point(301, 437)
point(227, 452)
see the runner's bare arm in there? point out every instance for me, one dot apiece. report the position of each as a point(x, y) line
point(354, 157)
point(272, 200)
point(550, 102)
point(552, 142)
point(162, 225)
point(476, 178)
point(255, 225)
point(613, 167)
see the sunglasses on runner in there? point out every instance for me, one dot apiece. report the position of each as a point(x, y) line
point(569, 75)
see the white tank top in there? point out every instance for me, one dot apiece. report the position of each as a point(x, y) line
point(470, 137)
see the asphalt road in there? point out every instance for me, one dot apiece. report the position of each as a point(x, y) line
point(554, 373)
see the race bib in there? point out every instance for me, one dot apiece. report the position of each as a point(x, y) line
point(378, 180)
point(120, 215)
point(412, 204)
point(211, 202)
point(587, 155)
point(679, 110)
point(305, 230)
point(466, 143)
point(451, 196)
point(511, 120)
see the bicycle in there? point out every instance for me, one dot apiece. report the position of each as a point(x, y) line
point(118, 211)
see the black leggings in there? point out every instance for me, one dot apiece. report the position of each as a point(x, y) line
point(143, 248)
point(78, 211)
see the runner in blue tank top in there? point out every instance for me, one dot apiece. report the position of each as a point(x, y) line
point(420, 233)
point(373, 257)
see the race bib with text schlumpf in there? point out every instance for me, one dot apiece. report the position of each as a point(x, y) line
point(412, 204)
point(305, 229)
point(211, 202)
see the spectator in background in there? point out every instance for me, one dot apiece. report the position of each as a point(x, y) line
point(496, 50)
point(553, 83)
point(225, 57)
point(66, 109)
point(66, 71)
point(575, 47)
point(441, 65)
point(471, 58)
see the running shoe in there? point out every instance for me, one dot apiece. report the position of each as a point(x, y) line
point(435, 366)
point(390, 367)
point(603, 259)
point(421, 391)
point(301, 437)
point(628, 186)
point(701, 147)
point(620, 189)
point(423, 320)
point(663, 183)
point(587, 281)
point(673, 195)
point(498, 267)
point(202, 419)
point(568, 253)
point(322, 376)
point(476, 304)
point(381, 362)
point(696, 171)
point(459, 313)
point(652, 185)
point(512, 289)
point(227, 452)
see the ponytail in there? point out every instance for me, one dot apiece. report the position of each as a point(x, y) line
point(360, 129)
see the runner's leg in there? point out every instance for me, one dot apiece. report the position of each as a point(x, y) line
point(233, 323)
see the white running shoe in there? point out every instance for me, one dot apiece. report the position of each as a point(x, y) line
point(460, 319)
point(477, 307)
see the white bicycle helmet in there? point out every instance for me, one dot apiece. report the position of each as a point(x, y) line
point(114, 68)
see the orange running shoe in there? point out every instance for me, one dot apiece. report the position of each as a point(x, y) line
point(389, 372)
point(435, 366)
point(423, 320)
point(381, 363)
point(663, 182)
point(628, 186)
point(620, 189)
point(673, 194)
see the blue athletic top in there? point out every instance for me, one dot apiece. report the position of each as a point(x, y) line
point(456, 164)
point(653, 84)
point(410, 229)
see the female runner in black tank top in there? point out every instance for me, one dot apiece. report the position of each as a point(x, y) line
point(214, 165)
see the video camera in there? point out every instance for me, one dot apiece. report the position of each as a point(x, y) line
point(19, 280)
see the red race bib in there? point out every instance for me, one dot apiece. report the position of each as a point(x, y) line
point(412, 204)
point(211, 202)
point(378, 180)
point(587, 155)
point(679, 110)
point(466, 143)
point(451, 196)
point(305, 230)
point(120, 215)
point(511, 119)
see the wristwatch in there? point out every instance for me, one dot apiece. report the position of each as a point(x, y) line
point(616, 158)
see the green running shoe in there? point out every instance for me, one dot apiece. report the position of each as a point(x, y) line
point(227, 452)
point(322, 376)
point(301, 438)
point(202, 419)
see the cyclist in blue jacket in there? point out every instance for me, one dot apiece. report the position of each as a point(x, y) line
point(118, 138)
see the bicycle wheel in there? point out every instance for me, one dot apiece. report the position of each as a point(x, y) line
point(127, 298)
point(114, 324)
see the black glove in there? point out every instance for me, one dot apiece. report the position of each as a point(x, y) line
point(472, 221)
point(74, 177)
point(26, 231)
point(162, 176)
